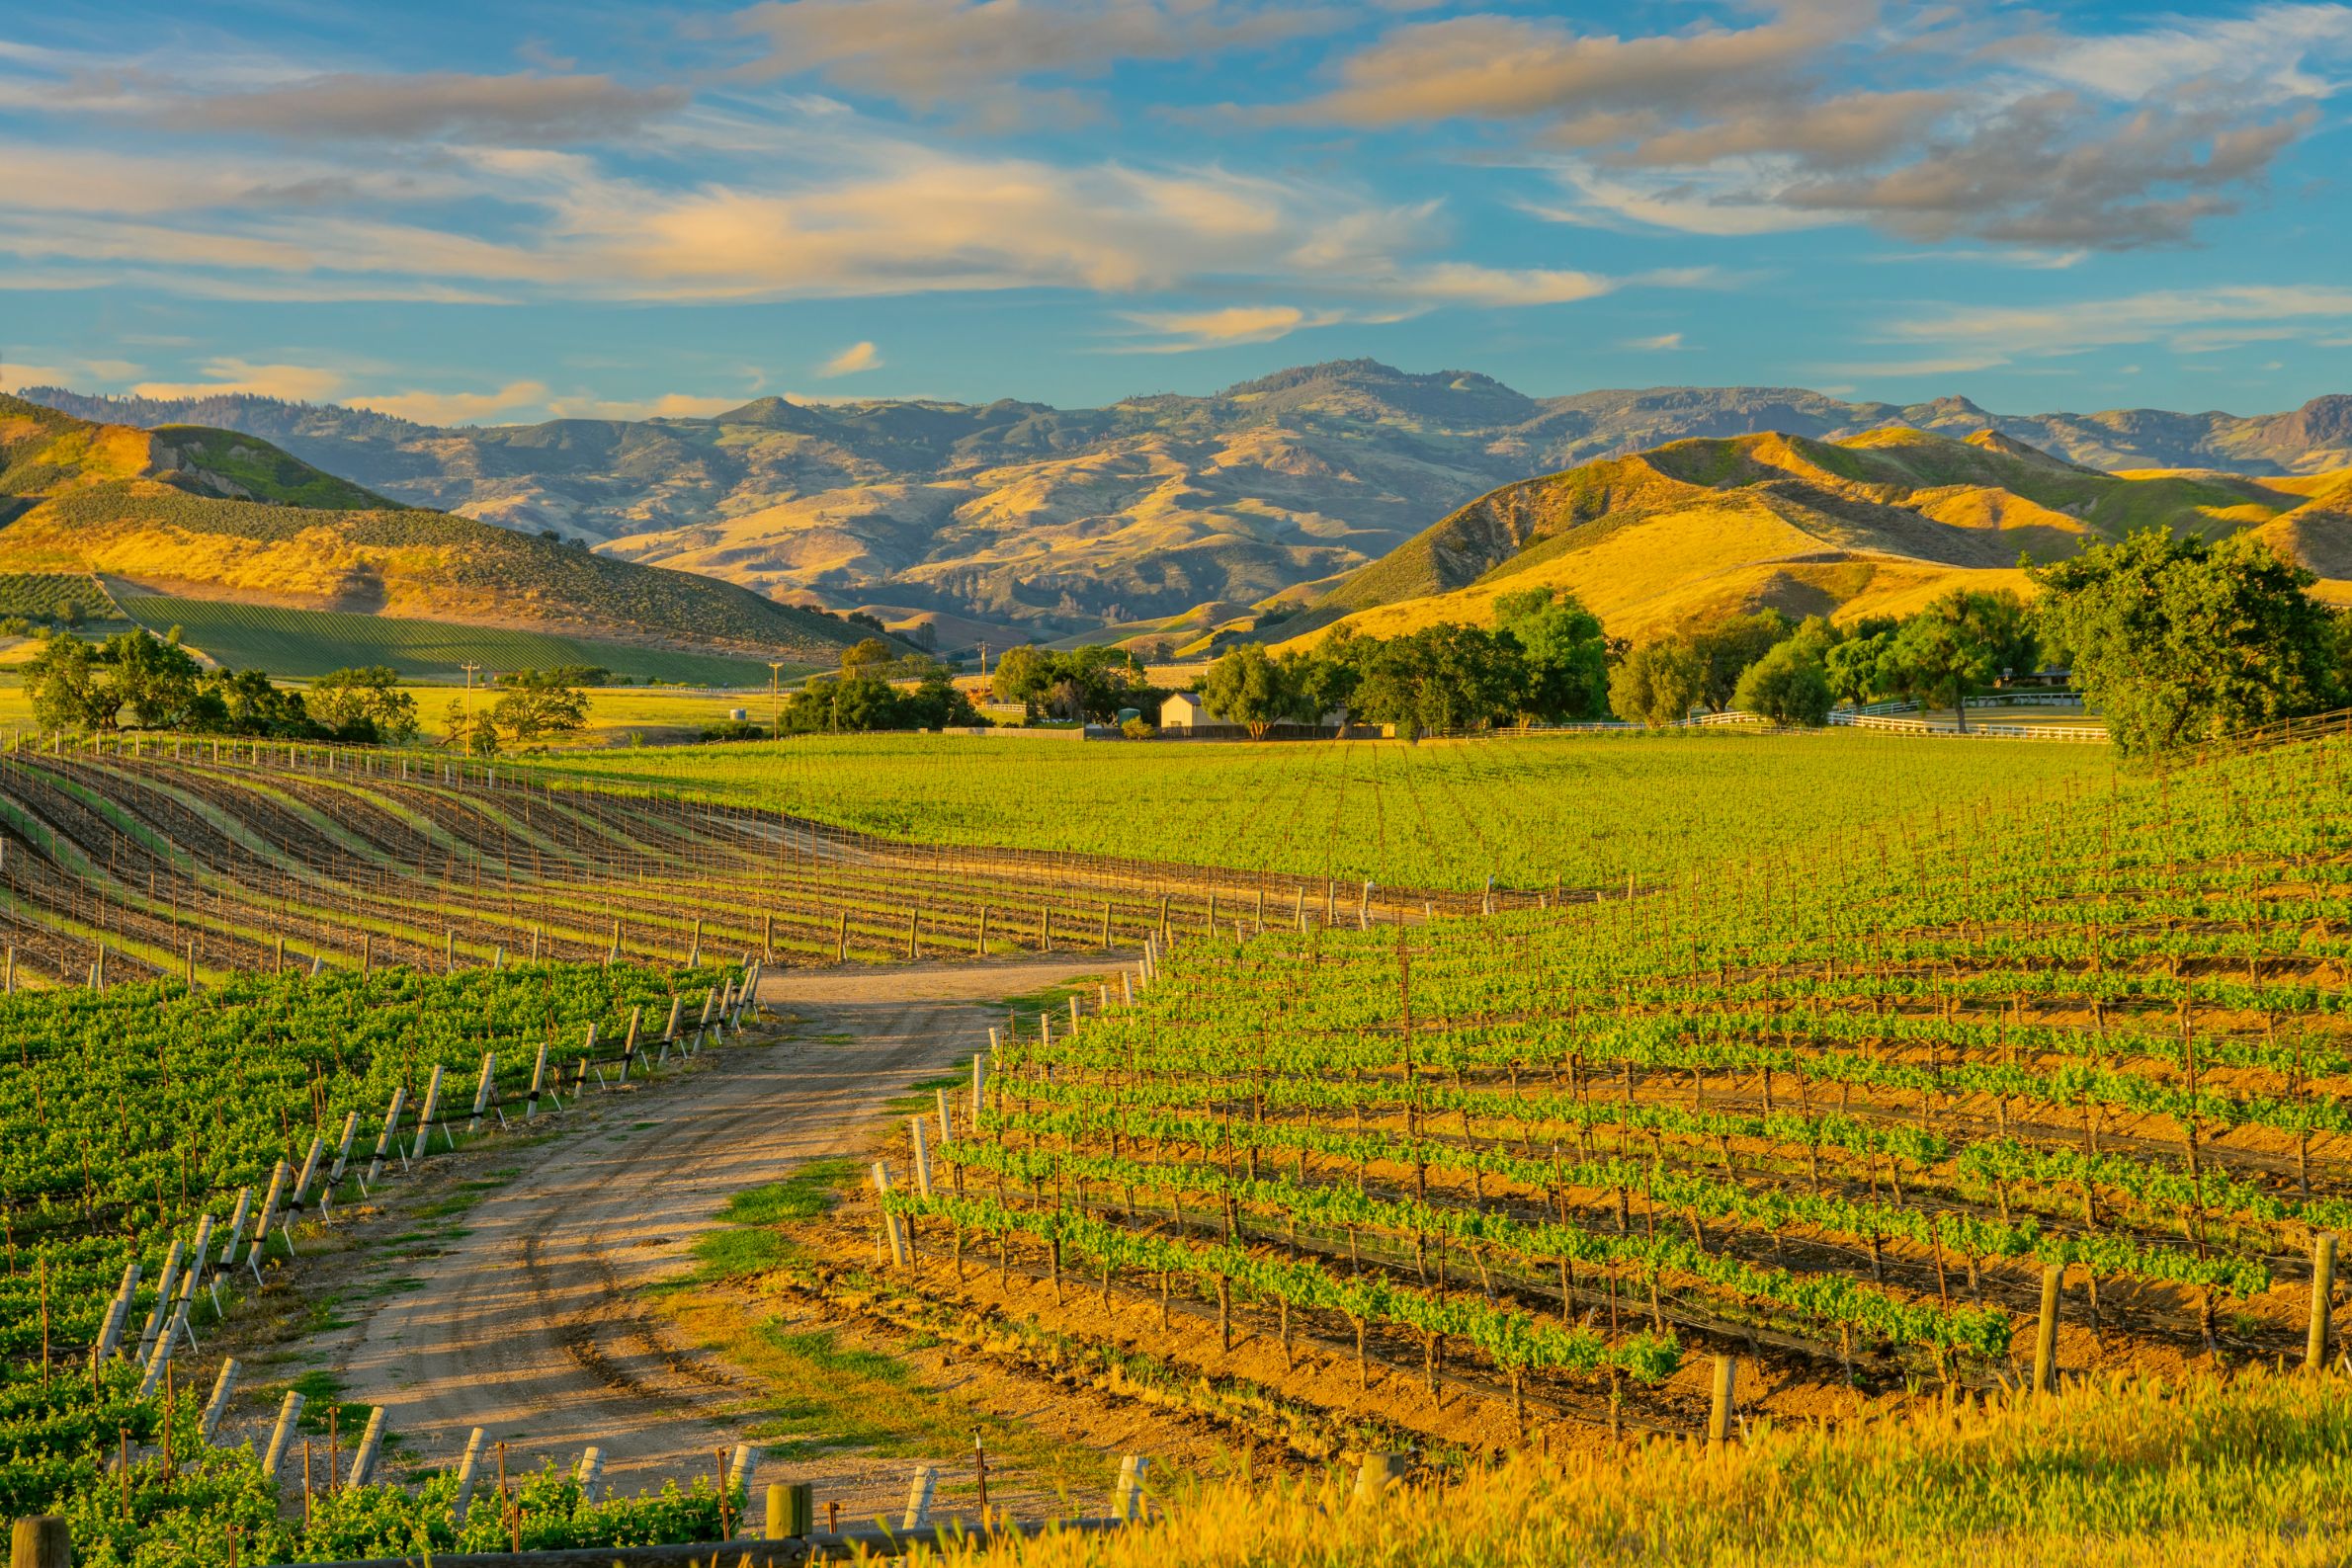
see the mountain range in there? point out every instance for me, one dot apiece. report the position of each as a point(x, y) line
point(1018, 520)
point(1871, 523)
point(205, 513)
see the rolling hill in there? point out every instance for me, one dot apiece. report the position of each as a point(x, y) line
point(1877, 523)
point(1013, 514)
point(202, 513)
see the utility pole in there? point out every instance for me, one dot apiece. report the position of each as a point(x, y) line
point(984, 656)
point(776, 693)
point(469, 667)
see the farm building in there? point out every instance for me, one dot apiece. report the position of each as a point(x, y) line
point(1185, 711)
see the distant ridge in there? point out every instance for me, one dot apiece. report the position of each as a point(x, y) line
point(1061, 521)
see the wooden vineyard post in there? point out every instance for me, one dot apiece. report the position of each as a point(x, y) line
point(362, 1463)
point(1718, 1419)
point(1299, 909)
point(792, 1510)
point(768, 938)
point(591, 1471)
point(538, 1079)
point(921, 1156)
point(914, 929)
point(10, 985)
point(693, 954)
point(1376, 1474)
point(841, 940)
point(448, 950)
point(1163, 919)
point(1364, 908)
point(366, 955)
point(385, 1141)
point(1106, 925)
point(979, 1086)
point(2315, 1350)
point(281, 1436)
point(424, 1124)
point(44, 1540)
point(2046, 1333)
point(980, 949)
point(613, 954)
point(629, 1044)
point(224, 1386)
point(278, 957)
point(1045, 928)
point(468, 1468)
point(1126, 1494)
point(919, 1488)
point(482, 1092)
point(889, 1221)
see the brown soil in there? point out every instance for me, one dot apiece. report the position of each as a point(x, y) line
point(529, 1318)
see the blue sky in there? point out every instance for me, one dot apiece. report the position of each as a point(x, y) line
point(497, 213)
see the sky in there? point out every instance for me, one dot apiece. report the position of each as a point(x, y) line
point(499, 213)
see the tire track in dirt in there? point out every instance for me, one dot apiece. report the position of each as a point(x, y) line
point(529, 1325)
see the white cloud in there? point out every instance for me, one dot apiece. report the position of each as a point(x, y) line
point(2186, 318)
point(454, 408)
point(670, 405)
point(2267, 49)
point(296, 383)
point(1662, 342)
point(850, 360)
point(1183, 331)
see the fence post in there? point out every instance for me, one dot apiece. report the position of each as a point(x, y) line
point(362, 1463)
point(42, 1541)
point(217, 1406)
point(2046, 1335)
point(1126, 1498)
point(1719, 1419)
point(283, 1434)
point(467, 1467)
point(918, 1497)
point(2314, 1353)
point(1376, 1474)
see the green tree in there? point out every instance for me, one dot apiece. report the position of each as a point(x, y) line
point(2178, 640)
point(365, 703)
point(1444, 678)
point(1857, 669)
point(245, 703)
point(868, 656)
point(1566, 654)
point(1657, 682)
point(1787, 686)
point(1251, 688)
point(1021, 675)
point(475, 734)
point(159, 680)
point(1728, 647)
point(70, 690)
point(1331, 672)
point(539, 705)
point(1961, 643)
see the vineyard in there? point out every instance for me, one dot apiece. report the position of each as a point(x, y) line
point(1534, 814)
point(198, 858)
point(1842, 1113)
point(163, 1149)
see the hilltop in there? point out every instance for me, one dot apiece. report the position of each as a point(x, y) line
point(1023, 517)
point(1873, 523)
point(214, 513)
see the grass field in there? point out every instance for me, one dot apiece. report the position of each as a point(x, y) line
point(1584, 809)
point(305, 643)
point(2127, 1475)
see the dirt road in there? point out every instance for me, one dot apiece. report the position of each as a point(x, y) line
point(530, 1326)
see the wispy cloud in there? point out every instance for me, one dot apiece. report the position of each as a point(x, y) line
point(1183, 331)
point(454, 408)
point(2193, 319)
point(1662, 342)
point(850, 360)
point(298, 383)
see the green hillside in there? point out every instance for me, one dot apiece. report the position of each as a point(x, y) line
point(309, 642)
point(247, 467)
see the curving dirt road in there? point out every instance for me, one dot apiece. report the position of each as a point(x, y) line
point(529, 1325)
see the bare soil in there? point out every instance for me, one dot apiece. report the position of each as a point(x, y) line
point(530, 1316)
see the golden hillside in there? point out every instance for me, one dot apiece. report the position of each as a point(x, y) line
point(1877, 523)
point(216, 515)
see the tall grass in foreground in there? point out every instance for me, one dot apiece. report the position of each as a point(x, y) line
point(2111, 1473)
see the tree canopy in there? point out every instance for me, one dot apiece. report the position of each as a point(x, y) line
point(2181, 641)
